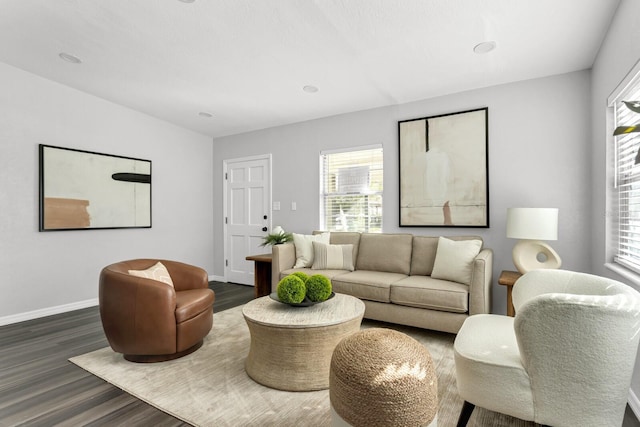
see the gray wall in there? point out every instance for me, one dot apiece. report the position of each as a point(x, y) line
point(618, 54)
point(538, 156)
point(44, 273)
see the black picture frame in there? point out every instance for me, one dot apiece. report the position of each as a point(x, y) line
point(83, 190)
point(444, 170)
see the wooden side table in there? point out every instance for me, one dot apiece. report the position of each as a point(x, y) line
point(261, 273)
point(508, 279)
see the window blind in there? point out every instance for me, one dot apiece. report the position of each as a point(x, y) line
point(627, 180)
point(351, 190)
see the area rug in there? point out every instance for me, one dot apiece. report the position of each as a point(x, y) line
point(210, 387)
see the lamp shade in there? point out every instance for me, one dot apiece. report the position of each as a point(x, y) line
point(532, 223)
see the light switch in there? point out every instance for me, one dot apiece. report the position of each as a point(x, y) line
point(293, 206)
point(276, 206)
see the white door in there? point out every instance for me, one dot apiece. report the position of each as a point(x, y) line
point(247, 214)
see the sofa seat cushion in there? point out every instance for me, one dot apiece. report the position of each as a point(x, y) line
point(368, 285)
point(435, 294)
point(310, 272)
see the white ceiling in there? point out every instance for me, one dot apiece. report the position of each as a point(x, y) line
point(246, 61)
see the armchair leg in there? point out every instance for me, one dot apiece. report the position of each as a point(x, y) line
point(465, 414)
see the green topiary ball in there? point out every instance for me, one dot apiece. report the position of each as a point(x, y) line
point(291, 289)
point(302, 275)
point(318, 288)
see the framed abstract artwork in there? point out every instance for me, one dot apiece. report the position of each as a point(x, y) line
point(85, 190)
point(444, 178)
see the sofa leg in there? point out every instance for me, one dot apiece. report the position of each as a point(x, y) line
point(465, 414)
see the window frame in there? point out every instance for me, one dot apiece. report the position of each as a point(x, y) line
point(322, 180)
point(624, 264)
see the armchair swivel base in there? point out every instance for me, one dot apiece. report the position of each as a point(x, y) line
point(153, 358)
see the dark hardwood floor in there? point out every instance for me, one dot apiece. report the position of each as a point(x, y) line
point(40, 387)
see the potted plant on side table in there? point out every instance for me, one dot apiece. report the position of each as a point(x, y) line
point(277, 237)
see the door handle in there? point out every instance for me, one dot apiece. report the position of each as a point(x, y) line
point(264, 228)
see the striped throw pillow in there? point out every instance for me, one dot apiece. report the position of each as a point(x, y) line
point(332, 257)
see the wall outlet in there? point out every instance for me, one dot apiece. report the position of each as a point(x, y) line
point(293, 206)
point(276, 206)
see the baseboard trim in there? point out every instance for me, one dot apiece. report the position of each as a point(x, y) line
point(634, 403)
point(49, 311)
point(214, 278)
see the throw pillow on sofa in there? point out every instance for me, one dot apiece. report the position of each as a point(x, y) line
point(454, 259)
point(304, 247)
point(332, 257)
point(156, 272)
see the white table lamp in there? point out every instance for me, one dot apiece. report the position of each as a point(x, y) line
point(531, 225)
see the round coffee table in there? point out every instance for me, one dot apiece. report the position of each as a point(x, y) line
point(291, 347)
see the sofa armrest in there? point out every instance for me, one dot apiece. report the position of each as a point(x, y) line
point(283, 258)
point(481, 283)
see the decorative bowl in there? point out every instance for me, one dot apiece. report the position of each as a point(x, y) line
point(305, 303)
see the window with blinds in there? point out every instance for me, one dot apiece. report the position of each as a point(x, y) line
point(351, 190)
point(627, 175)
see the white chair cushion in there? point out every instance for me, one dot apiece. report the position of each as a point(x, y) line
point(486, 353)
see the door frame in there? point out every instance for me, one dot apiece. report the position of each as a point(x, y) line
point(268, 158)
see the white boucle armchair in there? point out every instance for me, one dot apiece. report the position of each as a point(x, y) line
point(566, 359)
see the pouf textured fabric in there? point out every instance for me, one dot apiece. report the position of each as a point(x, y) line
point(382, 377)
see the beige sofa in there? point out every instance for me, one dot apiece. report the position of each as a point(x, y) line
point(392, 276)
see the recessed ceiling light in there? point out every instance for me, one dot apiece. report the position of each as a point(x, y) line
point(310, 89)
point(70, 58)
point(484, 47)
point(204, 113)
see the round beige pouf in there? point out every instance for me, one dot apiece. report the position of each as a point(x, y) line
point(381, 377)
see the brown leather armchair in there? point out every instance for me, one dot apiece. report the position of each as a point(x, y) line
point(151, 321)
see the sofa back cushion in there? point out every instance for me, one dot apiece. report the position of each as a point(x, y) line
point(424, 253)
point(385, 252)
